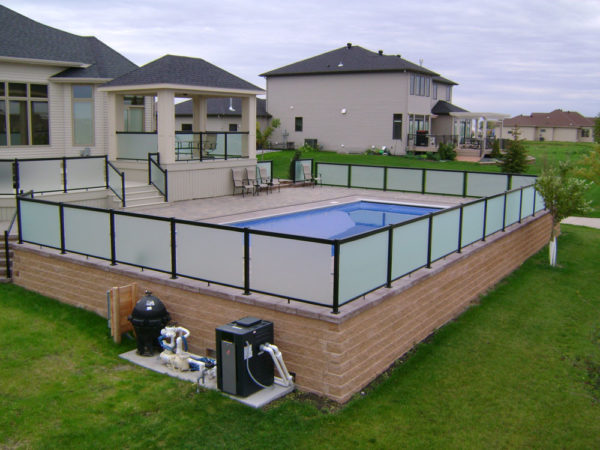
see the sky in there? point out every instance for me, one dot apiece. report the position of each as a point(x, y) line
point(511, 56)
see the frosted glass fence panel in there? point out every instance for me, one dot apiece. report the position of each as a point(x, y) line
point(115, 182)
point(299, 171)
point(409, 247)
point(210, 254)
point(263, 165)
point(87, 232)
point(527, 203)
point(41, 176)
point(363, 265)
point(40, 223)
point(307, 268)
point(444, 239)
point(234, 145)
point(472, 223)
point(136, 145)
point(443, 182)
point(158, 178)
point(520, 181)
point(6, 177)
point(367, 177)
point(484, 184)
point(86, 173)
point(513, 203)
point(495, 215)
point(143, 242)
point(539, 202)
point(333, 175)
point(405, 180)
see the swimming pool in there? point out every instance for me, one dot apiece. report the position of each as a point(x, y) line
point(339, 221)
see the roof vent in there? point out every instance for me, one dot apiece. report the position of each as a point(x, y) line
point(349, 45)
point(380, 52)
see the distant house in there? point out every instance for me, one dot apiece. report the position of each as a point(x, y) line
point(351, 99)
point(558, 125)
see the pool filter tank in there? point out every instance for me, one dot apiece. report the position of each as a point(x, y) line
point(242, 366)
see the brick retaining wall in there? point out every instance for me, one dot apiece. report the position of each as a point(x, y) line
point(332, 355)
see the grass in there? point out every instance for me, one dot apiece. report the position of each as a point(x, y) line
point(521, 368)
point(544, 152)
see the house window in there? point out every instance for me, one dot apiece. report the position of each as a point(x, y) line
point(24, 114)
point(397, 127)
point(448, 93)
point(83, 115)
point(585, 132)
point(419, 85)
point(133, 114)
point(435, 86)
point(186, 127)
point(298, 124)
point(233, 127)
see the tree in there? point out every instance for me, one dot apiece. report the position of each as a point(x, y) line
point(515, 158)
point(563, 196)
point(589, 166)
point(262, 136)
point(597, 129)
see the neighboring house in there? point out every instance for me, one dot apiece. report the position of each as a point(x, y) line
point(49, 100)
point(351, 99)
point(223, 114)
point(558, 125)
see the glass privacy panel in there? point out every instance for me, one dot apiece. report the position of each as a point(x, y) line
point(495, 215)
point(41, 176)
point(440, 182)
point(472, 223)
point(485, 184)
point(405, 179)
point(115, 182)
point(157, 177)
point(513, 204)
point(6, 177)
point(86, 173)
point(87, 232)
point(522, 180)
point(527, 204)
point(334, 175)
point(210, 254)
point(290, 267)
point(409, 247)
point(234, 145)
point(363, 266)
point(539, 202)
point(367, 177)
point(299, 170)
point(40, 223)
point(143, 242)
point(136, 145)
point(444, 239)
point(265, 166)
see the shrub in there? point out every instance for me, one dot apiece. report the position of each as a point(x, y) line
point(296, 157)
point(515, 158)
point(496, 149)
point(446, 151)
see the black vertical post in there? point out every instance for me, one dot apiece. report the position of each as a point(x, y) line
point(534, 197)
point(106, 170)
point(113, 253)
point(149, 169)
point(390, 255)
point(246, 261)
point(509, 182)
point(19, 219)
point(7, 255)
point(123, 187)
point(423, 180)
point(61, 214)
point(64, 174)
point(504, 214)
point(201, 146)
point(460, 227)
point(430, 234)
point(166, 187)
point(385, 176)
point(465, 180)
point(336, 277)
point(520, 204)
point(484, 217)
point(349, 175)
point(173, 249)
point(225, 145)
point(16, 178)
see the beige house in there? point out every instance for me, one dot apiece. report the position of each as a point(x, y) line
point(351, 99)
point(558, 125)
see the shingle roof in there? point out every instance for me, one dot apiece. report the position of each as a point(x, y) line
point(443, 108)
point(21, 37)
point(349, 59)
point(556, 118)
point(219, 106)
point(443, 80)
point(182, 70)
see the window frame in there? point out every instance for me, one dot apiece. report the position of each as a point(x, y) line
point(299, 124)
point(397, 126)
point(32, 95)
point(83, 100)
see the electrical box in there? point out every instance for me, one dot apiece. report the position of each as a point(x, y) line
point(242, 367)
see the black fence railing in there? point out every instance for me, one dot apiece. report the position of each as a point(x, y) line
point(208, 145)
point(157, 176)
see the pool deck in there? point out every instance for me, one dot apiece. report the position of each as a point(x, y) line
point(290, 199)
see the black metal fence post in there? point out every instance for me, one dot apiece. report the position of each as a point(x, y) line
point(61, 214)
point(64, 161)
point(106, 170)
point(173, 249)
point(423, 180)
point(246, 261)
point(430, 234)
point(390, 255)
point(485, 202)
point(19, 219)
point(225, 145)
point(385, 177)
point(16, 178)
point(336, 277)
point(534, 197)
point(113, 249)
point(520, 204)
point(504, 214)
point(460, 227)
point(465, 181)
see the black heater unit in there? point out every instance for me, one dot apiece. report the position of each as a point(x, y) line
point(242, 367)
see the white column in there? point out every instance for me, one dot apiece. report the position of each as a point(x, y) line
point(166, 126)
point(199, 113)
point(249, 125)
point(112, 126)
point(484, 136)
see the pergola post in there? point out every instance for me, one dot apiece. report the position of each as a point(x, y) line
point(249, 124)
point(165, 105)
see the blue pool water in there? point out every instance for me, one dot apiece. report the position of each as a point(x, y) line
point(337, 222)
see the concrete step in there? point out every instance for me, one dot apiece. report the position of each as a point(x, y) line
point(144, 200)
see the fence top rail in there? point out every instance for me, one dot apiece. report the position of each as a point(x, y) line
point(211, 132)
point(422, 168)
point(136, 132)
point(57, 158)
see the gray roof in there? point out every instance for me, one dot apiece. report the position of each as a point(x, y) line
point(21, 37)
point(443, 80)
point(219, 106)
point(349, 59)
point(444, 108)
point(182, 70)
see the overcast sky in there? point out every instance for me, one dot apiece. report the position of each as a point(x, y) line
point(510, 56)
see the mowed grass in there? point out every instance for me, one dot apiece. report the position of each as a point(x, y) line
point(545, 153)
point(521, 368)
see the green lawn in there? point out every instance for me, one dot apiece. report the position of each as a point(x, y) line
point(544, 153)
point(519, 369)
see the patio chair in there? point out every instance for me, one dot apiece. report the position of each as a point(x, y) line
point(239, 182)
point(309, 178)
point(251, 177)
point(271, 182)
